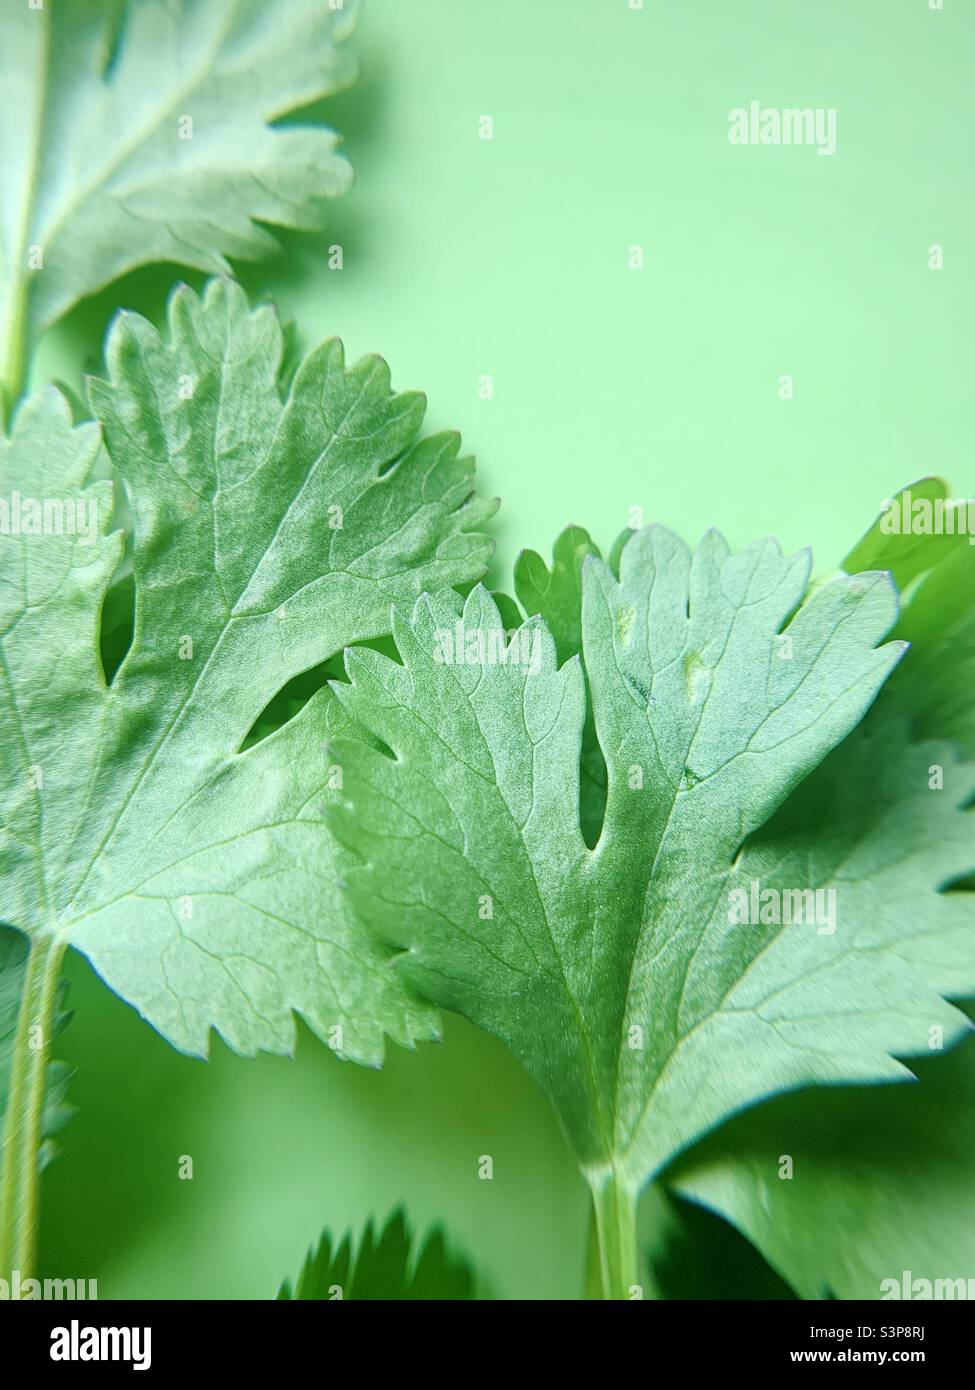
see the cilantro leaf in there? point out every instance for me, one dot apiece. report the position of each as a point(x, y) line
point(900, 838)
point(937, 572)
point(383, 1266)
point(613, 974)
point(145, 134)
point(881, 1178)
point(556, 596)
point(880, 1181)
point(695, 1253)
point(268, 534)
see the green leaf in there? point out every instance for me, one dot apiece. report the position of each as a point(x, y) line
point(556, 596)
point(875, 1172)
point(881, 1181)
point(699, 1255)
point(145, 132)
point(937, 572)
point(906, 553)
point(387, 1266)
point(615, 974)
point(268, 534)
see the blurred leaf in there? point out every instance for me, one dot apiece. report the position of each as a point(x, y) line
point(881, 1180)
point(387, 1266)
point(905, 553)
point(702, 1256)
point(936, 686)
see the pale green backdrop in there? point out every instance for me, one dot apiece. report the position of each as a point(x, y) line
point(613, 388)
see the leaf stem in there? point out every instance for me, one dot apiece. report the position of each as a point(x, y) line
point(612, 1267)
point(23, 1132)
point(13, 344)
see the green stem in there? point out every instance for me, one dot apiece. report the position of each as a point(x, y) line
point(594, 1279)
point(15, 272)
point(23, 1132)
point(612, 1267)
point(13, 344)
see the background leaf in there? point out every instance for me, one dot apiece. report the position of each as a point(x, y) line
point(699, 1255)
point(934, 688)
point(389, 1265)
point(881, 1180)
point(556, 596)
point(145, 131)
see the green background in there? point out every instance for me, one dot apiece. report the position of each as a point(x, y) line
point(613, 388)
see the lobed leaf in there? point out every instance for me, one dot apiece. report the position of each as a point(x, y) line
point(880, 1185)
point(269, 533)
point(616, 973)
